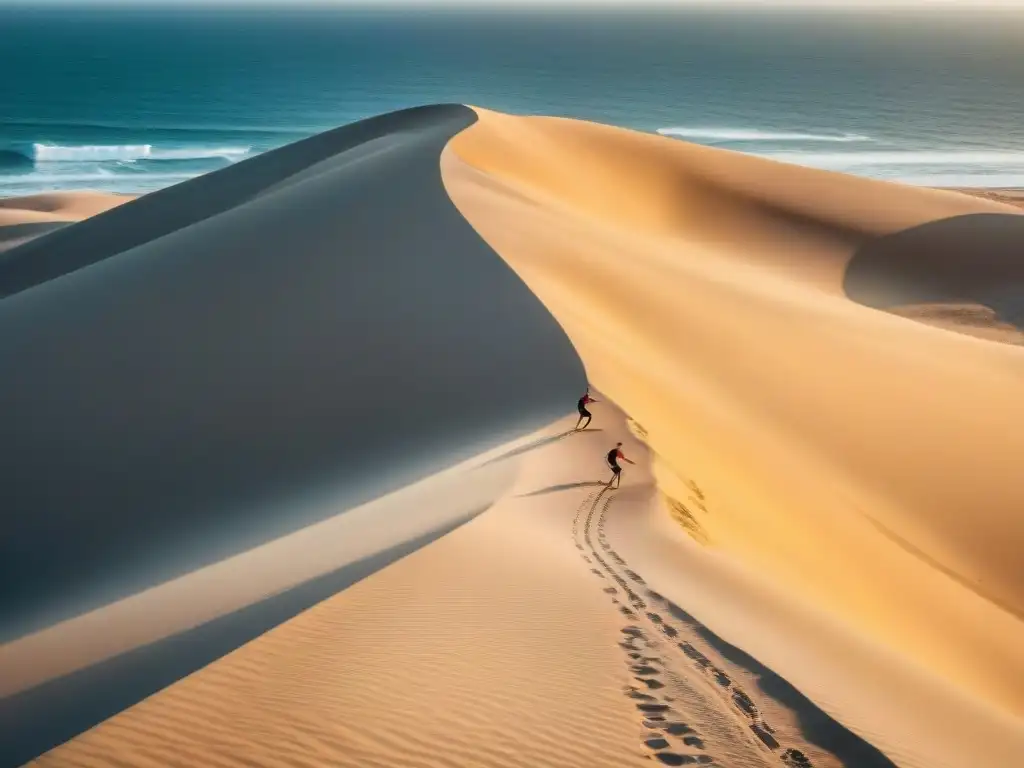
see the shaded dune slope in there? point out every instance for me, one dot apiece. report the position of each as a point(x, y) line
point(859, 463)
point(948, 271)
point(179, 370)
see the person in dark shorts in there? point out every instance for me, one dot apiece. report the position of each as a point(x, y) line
point(581, 406)
point(613, 461)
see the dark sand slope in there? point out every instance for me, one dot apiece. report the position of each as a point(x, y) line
point(181, 371)
point(13, 235)
point(963, 273)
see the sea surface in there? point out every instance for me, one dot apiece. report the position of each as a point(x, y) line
point(133, 100)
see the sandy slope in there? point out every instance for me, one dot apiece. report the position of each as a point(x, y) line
point(489, 648)
point(803, 497)
point(521, 639)
point(863, 466)
point(210, 393)
point(24, 218)
point(247, 352)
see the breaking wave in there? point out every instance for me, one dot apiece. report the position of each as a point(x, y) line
point(51, 153)
point(751, 134)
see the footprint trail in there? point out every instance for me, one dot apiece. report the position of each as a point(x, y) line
point(654, 647)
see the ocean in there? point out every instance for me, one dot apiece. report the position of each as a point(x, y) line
point(132, 100)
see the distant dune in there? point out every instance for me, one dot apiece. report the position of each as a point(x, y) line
point(241, 410)
point(25, 218)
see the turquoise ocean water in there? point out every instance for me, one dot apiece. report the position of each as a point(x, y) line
point(134, 100)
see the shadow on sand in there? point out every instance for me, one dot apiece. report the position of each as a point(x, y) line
point(36, 720)
point(14, 234)
point(976, 259)
point(563, 487)
point(535, 445)
point(815, 725)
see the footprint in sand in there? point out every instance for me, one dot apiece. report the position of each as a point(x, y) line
point(644, 669)
point(678, 729)
point(671, 758)
point(659, 716)
point(795, 757)
point(653, 708)
point(633, 693)
point(653, 685)
point(656, 715)
point(741, 700)
point(763, 735)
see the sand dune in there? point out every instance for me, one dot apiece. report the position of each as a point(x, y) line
point(859, 463)
point(521, 639)
point(220, 364)
point(25, 218)
point(813, 562)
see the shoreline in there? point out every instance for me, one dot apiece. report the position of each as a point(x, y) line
point(1009, 194)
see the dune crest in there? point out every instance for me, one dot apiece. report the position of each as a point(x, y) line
point(225, 377)
point(861, 462)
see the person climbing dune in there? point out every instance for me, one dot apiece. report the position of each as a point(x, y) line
point(581, 406)
point(613, 461)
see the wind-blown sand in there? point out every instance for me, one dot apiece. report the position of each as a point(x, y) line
point(824, 451)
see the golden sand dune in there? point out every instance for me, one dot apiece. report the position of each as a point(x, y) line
point(521, 639)
point(861, 462)
point(814, 561)
point(23, 218)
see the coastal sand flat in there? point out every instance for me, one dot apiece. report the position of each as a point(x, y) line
point(851, 467)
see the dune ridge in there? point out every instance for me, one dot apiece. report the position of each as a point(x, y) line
point(783, 578)
point(194, 380)
point(707, 293)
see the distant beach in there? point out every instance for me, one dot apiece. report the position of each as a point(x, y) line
point(931, 101)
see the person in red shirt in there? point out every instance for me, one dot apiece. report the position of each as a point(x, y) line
point(613, 461)
point(581, 406)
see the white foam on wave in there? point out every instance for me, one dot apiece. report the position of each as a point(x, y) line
point(51, 153)
point(99, 175)
point(750, 134)
point(951, 159)
point(965, 181)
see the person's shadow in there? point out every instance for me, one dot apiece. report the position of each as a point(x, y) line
point(562, 487)
point(974, 259)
